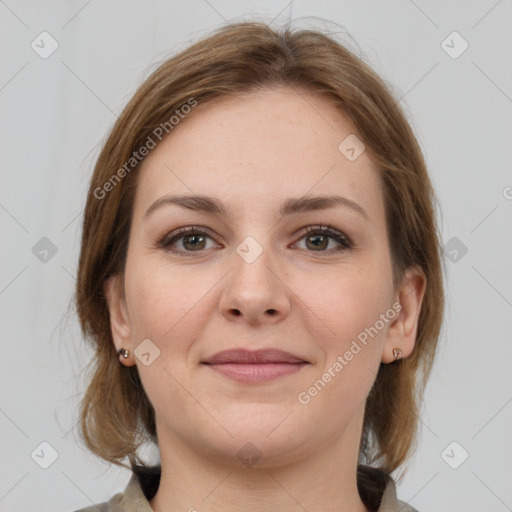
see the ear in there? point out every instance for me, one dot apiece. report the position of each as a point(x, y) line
point(119, 319)
point(402, 331)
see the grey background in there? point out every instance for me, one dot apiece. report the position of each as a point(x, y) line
point(56, 111)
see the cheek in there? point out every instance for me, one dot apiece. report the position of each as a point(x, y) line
point(349, 346)
point(348, 302)
point(166, 306)
point(170, 306)
point(158, 299)
point(350, 334)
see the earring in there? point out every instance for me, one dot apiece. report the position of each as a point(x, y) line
point(124, 352)
point(397, 353)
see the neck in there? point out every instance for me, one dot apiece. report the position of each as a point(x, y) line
point(322, 478)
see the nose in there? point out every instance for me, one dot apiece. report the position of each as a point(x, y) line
point(256, 291)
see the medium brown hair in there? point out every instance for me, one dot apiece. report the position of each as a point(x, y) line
point(116, 415)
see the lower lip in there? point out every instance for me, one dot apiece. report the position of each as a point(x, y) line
point(256, 372)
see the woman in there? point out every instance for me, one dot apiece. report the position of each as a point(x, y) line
point(260, 276)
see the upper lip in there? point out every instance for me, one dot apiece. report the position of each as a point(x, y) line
point(261, 356)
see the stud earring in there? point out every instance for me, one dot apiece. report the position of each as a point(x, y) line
point(397, 353)
point(124, 352)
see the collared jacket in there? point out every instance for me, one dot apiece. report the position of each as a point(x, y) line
point(377, 490)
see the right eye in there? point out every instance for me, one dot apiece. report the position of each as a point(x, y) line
point(193, 239)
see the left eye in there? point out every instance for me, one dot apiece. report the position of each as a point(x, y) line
point(193, 239)
point(318, 238)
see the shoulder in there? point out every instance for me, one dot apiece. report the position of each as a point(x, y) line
point(134, 498)
point(107, 506)
point(405, 507)
point(118, 502)
point(378, 491)
point(390, 502)
point(100, 507)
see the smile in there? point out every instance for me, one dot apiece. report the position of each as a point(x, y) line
point(256, 372)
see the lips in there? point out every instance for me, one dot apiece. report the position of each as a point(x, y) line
point(263, 356)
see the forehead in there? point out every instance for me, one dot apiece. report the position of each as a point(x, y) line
point(260, 149)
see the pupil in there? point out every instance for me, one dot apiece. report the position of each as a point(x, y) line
point(191, 237)
point(316, 240)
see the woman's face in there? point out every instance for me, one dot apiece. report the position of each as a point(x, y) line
point(251, 278)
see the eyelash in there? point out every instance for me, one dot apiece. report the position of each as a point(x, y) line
point(165, 242)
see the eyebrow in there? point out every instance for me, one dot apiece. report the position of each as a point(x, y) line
point(288, 207)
